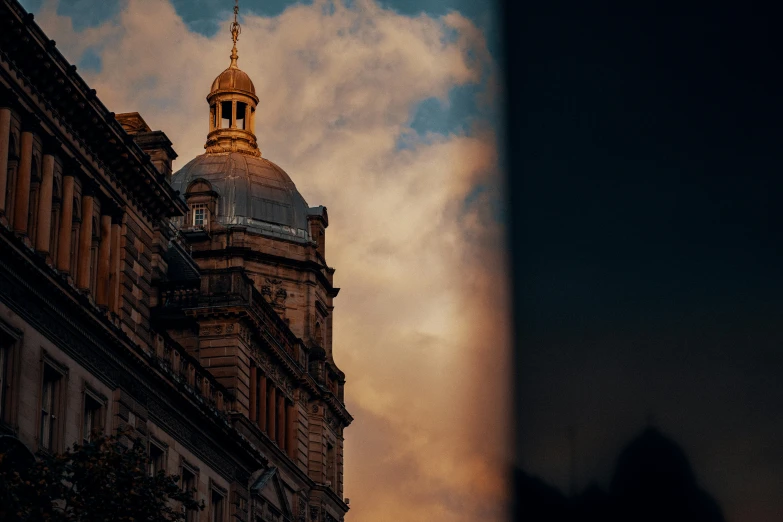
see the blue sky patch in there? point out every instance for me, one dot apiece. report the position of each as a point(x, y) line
point(90, 61)
point(451, 117)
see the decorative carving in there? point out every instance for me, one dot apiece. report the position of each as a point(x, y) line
point(302, 510)
point(315, 408)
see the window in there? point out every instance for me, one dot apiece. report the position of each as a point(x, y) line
point(189, 485)
point(217, 507)
point(5, 355)
point(157, 459)
point(200, 215)
point(225, 115)
point(241, 107)
point(92, 417)
point(50, 408)
point(330, 465)
point(9, 354)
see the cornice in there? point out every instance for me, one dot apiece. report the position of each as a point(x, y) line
point(37, 62)
point(254, 255)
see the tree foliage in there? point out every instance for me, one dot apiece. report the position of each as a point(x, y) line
point(104, 480)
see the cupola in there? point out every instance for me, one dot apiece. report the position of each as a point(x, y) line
point(232, 107)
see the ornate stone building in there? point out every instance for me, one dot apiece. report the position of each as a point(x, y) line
point(194, 307)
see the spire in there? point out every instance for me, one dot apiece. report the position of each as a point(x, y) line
point(236, 29)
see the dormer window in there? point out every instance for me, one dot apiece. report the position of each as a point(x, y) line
point(200, 215)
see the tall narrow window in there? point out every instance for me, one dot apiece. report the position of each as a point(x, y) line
point(50, 408)
point(9, 352)
point(241, 115)
point(330, 465)
point(4, 375)
point(96, 231)
point(225, 115)
point(157, 459)
point(217, 507)
point(189, 485)
point(200, 215)
point(76, 221)
point(92, 417)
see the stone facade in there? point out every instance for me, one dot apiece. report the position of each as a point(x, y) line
point(213, 342)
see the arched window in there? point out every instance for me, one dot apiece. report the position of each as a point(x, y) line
point(10, 186)
point(55, 220)
point(77, 219)
point(225, 115)
point(317, 334)
point(202, 201)
point(241, 109)
point(96, 236)
point(32, 206)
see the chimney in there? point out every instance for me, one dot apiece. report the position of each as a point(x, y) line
point(154, 143)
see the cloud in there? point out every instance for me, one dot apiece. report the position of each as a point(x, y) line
point(420, 323)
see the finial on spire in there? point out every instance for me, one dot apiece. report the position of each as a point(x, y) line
point(236, 29)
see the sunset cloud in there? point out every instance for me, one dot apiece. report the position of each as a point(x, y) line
point(420, 323)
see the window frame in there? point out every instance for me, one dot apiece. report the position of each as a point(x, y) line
point(205, 217)
point(58, 407)
point(10, 360)
point(98, 423)
point(216, 489)
point(191, 515)
point(163, 456)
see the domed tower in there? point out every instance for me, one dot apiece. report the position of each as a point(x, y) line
point(232, 108)
point(262, 321)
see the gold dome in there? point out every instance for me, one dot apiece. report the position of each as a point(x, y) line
point(233, 79)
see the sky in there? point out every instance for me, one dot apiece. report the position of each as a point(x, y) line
point(386, 113)
point(645, 186)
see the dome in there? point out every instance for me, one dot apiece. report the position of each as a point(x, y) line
point(252, 191)
point(233, 79)
point(652, 460)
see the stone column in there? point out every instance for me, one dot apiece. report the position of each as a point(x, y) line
point(85, 244)
point(281, 440)
point(261, 384)
point(219, 114)
point(104, 262)
point(23, 174)
point(43, 234)
point(253, 390)
point(290, 429)
point(66, 221)
point(114, 268)
point(270, 413)
point(233, 123)
point(5, 146)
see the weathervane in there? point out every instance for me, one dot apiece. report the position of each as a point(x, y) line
point(235, 30)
